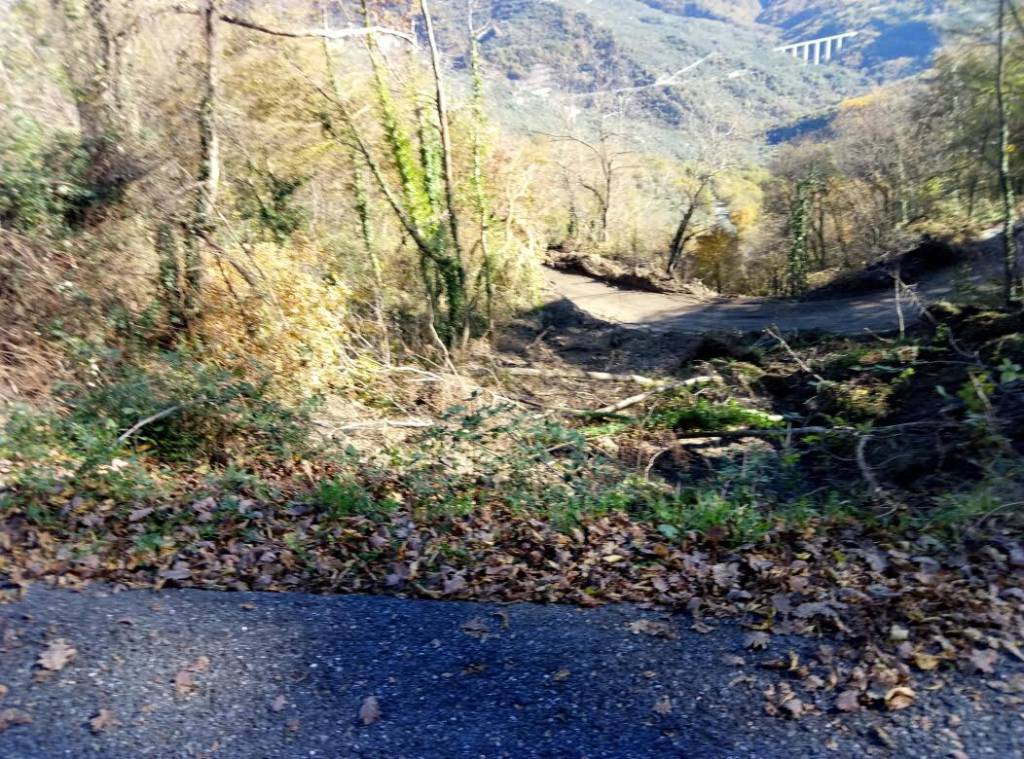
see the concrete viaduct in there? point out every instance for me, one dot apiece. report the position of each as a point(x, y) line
point(817, 51)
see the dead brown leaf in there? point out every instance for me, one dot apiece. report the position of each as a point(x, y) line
point(848, 701)
point(984, 660)
point(185, 683)
point(9, 717)
point(4, 690)
point(653, 628)
point(102, 721)
point(926, 662)
point(454, 584)
point(756, 641)
point(663, 706)
point(369, 712)
point(793, 707)
point(57, 655)
point(476, 628)
point(899, 697)
point(561, 675)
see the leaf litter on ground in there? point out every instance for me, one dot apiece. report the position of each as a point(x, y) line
point(899, 606)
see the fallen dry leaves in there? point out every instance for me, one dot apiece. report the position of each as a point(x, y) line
point(654, 628)
point(185, 682)
point(900, 606)
point(369, 712)
point(900, 697)
point(57, 655)
point(103, 721)
point(10, 717)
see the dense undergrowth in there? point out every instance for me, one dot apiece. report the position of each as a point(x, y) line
point(939, 418)
point(166, 470)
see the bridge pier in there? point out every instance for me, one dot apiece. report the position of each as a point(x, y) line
point(818, 51)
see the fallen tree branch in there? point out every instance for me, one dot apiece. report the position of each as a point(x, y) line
point(776, 334)
point(814, 430)
point(764, 433)
point(868, 474)
point(124, 436)
point(525, 371)
point(325, 34)
point(413, 424)
point(637, 399)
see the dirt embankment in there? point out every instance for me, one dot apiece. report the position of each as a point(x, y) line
point(640, 277)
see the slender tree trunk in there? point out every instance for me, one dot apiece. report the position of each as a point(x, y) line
point(442, 118)
point(797, 273)
point(479, 185)
point(361, 197)
point(452, 269)
point(820, 233)
point(208, 176)
point(1012, 285)
point(606, 202)
point(675, 253)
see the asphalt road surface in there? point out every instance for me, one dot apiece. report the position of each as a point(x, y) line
point(186, 673)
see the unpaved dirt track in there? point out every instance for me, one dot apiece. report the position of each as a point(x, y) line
point(683, 313)
point(846, 315)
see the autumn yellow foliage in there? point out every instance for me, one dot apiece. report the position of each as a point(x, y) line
point(291, 325)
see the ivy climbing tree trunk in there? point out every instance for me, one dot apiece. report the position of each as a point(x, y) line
point(1012, 287)
point(452, 268)
point(169, 274)
point(798, 251)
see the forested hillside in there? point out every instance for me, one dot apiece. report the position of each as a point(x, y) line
point(627, 47)
point(514, 301)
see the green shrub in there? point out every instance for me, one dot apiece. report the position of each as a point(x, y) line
point(208, 410)
point(703, 414)
point(344, 497)
point(44, 182)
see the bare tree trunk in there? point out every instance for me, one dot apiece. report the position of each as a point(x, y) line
point(208, 176)
point(607, 203)
point(479, 186)
point(362, 203)
point(1012, 284)
point(209, 140)
point(675, 253)
point(446, 137)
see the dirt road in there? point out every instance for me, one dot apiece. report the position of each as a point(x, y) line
point(682, 313)
point(875, 311)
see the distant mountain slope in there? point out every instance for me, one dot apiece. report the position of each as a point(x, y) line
point(899, 37)
point(544, 55)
